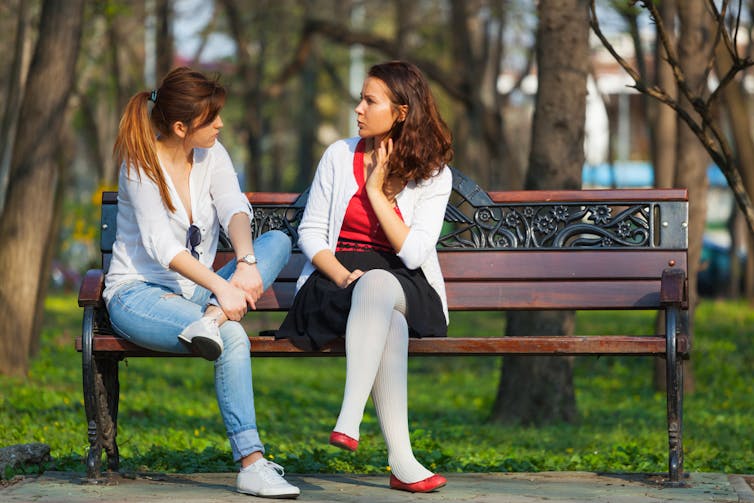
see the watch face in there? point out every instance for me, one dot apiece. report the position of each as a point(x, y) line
point(249, 259)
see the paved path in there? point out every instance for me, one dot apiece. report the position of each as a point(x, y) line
point(62, 487)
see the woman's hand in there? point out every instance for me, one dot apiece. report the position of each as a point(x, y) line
point(352, 276)
point(232, 301)
point(247, 278)
point(376, 180)
point(376, 183)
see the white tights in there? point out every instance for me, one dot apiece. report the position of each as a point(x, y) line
point(377, 361)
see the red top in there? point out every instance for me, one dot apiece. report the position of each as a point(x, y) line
point(361, 228)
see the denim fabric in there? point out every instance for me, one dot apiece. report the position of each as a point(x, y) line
point(153, 316)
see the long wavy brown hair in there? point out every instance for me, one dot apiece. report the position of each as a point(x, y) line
point(186, 96)
point(422, 143)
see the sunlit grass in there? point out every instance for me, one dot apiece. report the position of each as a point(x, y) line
point(169, 420)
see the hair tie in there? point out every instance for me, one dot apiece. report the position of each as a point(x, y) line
point(153, 96)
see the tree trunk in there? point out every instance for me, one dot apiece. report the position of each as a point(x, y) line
point(539, 390)
point(695, 48)
point(252, 94)
point(663, 143)
point(28, 215)
point(16, 76)
point(481, 143)
point(663, 139)
point(307, 124)
point(164, 37)
point(737, 112)
point(536, 389)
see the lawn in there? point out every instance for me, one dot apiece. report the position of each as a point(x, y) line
point(169, 419)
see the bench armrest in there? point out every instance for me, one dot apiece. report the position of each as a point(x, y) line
point(90, 292)
point(673, 286)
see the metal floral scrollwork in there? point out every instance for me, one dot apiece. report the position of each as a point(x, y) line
point(473, 220)
point(270, 217)
point(561, 225)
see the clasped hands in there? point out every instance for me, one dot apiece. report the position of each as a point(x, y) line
point(241, 292)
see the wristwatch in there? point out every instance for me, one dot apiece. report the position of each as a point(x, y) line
point(248, 259)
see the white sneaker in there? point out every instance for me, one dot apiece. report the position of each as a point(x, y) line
point(265, 479)
point(203, 337)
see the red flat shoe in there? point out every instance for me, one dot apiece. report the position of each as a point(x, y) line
point(343, 441)
point(436, 481)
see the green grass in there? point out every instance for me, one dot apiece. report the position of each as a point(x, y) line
point(169, 419)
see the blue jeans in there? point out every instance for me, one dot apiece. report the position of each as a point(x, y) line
point(152, 316)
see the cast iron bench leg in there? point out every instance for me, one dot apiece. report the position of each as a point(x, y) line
point(108, 387)
point(94, 457)
point(674, 369)
point(101, 395)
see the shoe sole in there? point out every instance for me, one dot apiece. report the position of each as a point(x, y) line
point(343, 446)
point(344, 442)
point(205, 347)
point(289, 496)
point(407, 487)
point(424, 491)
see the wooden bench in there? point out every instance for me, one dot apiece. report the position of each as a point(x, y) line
point(499, 251)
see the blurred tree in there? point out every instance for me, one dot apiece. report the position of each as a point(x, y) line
point(663, 137)
point(28, 215)
point(661, 116)
point(266, 61)
point(110, 69)
point(737, 112)
point(536, 390)
point(705, 42)
point(12, 102)
point(696, 105)
point(165, 54)
point(460, 50)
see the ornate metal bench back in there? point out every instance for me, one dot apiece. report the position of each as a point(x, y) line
point(474, 221)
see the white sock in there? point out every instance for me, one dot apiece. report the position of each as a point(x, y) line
point(389, 395)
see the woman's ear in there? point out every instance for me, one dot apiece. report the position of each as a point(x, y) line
point(402, 112)
point(179, 129)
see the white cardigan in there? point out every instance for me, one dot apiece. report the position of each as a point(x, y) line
point(422, 206)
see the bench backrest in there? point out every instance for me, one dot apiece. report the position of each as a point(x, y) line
point(517, 250)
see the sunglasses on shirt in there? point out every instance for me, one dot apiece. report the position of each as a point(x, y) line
point(193, 238)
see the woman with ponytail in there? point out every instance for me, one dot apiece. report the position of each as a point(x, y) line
point(374, 213)
point(177, 187)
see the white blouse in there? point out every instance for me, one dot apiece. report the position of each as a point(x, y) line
point(148, 236)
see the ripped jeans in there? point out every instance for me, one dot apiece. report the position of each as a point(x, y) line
point(152, 316)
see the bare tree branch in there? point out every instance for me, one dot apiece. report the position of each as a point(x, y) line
point(706, 128)
point(293, 67)
point(337, 32)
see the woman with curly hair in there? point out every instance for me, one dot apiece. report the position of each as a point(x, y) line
point(370, 227)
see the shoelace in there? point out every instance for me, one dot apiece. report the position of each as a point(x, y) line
point(270, 471)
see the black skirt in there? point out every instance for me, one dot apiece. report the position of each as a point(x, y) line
point(320, 310)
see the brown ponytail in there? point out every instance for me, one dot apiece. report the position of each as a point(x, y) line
point(185, 96)
point(135, 145)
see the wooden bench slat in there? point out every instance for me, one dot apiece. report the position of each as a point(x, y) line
point(450, 346)
point(533, 265)
point(555, 295)
point(589, 195)
point(513, 196)
point(559, 264)
point(90, 291)
point(520, 295)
